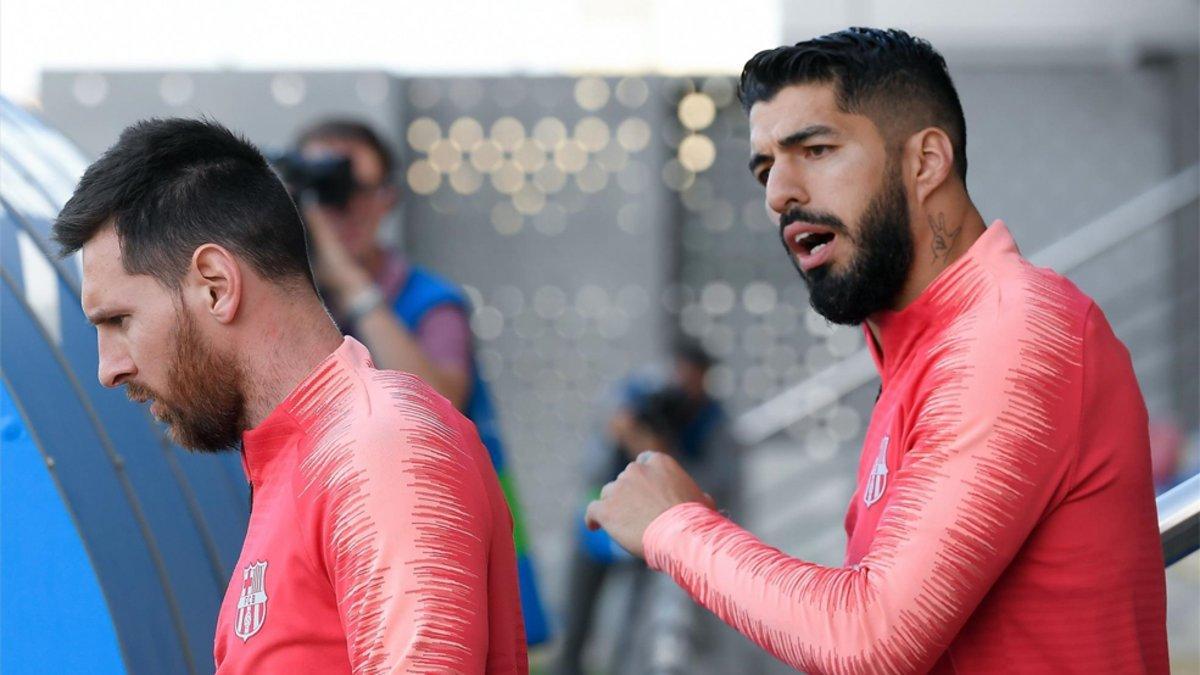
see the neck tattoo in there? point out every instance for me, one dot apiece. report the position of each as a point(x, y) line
point(944, 239)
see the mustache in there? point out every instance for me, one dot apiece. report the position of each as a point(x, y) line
point(801, 215)
point(138, 394)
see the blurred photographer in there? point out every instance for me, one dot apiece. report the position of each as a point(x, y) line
point(341, 175)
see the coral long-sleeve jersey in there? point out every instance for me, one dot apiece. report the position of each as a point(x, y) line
point(379, 541)
point(1004, 519)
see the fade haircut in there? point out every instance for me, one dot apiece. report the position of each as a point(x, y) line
point(899, 81)
point(172, 185)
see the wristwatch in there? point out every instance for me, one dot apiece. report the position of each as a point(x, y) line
point(363, 303)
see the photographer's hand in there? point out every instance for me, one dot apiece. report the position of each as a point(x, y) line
point(335, 268)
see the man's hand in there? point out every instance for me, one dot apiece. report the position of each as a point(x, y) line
point(643, 492)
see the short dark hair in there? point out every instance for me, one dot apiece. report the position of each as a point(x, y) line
point(875, 72)
point(172, 185)
point(691, 351)
point(350, 130)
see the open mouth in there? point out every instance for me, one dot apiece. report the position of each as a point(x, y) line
point(813, 245)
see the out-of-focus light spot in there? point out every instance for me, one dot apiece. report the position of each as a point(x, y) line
point(288, 90)
point(697, 111)
point(445, 155)
point(505, 219)
point(718, 217)
point(549, 131)
point(632, 92)
point(465, 180)
point(592, 178)
point(549, 178)
point(613, 158)
point(466, 132)
point(552, 220)
point(487, 323)
point(571, 156)
point(591, 93)
point(423, 133)
point(372, 88)
point(90, 90)
point(593, 133)
point(508, 132)
point(486, 156)
point(591, 300)
point(634, 134)
point(676, 176)
point(529, 155)
point(424, 94)
point(529, 200)
point(549, 301)
point(423, 178)
point(758, 297)
point(697, 153)
point(717, 298)
point(508, 178)
point(176, 89)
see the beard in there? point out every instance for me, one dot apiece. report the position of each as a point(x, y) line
point(878, 268)
point(206, 407)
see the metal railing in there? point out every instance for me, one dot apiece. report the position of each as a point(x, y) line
point(1179, 520)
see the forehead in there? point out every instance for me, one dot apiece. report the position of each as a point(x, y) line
point(799, 106)
point(364, 161)
point(105, 280)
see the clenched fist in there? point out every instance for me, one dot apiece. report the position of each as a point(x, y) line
point(643, 492)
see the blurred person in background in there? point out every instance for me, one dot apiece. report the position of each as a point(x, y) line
point(411, 319)
point(668, 412)
point(1004, 517)
point(195, 272)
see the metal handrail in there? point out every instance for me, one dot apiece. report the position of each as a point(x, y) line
point(1179, 520)
point(833, 383)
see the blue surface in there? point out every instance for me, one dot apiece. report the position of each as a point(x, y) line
point(162, 526)
point(54, 615)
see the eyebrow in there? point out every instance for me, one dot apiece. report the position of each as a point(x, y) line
point(792, 141)
point(101, 315)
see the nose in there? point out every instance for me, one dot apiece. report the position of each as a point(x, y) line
point(785, 187)
point(116, 366)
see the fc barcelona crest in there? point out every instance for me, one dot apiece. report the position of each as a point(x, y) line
point(252, 604)
point(877, 481)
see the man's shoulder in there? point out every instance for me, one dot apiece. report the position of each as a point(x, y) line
point(393, 403)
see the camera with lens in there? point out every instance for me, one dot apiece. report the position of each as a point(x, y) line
point(328, 180)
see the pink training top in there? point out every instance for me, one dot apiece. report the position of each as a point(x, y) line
point(379, 540)
point(1004, 519)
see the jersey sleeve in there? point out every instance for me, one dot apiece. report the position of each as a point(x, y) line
point(993, 440)
point(404, 527)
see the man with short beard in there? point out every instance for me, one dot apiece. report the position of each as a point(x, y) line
point(1004, 518)
point(379, 539)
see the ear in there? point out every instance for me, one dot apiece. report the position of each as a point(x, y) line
point(215, 282)
point(931, 157)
